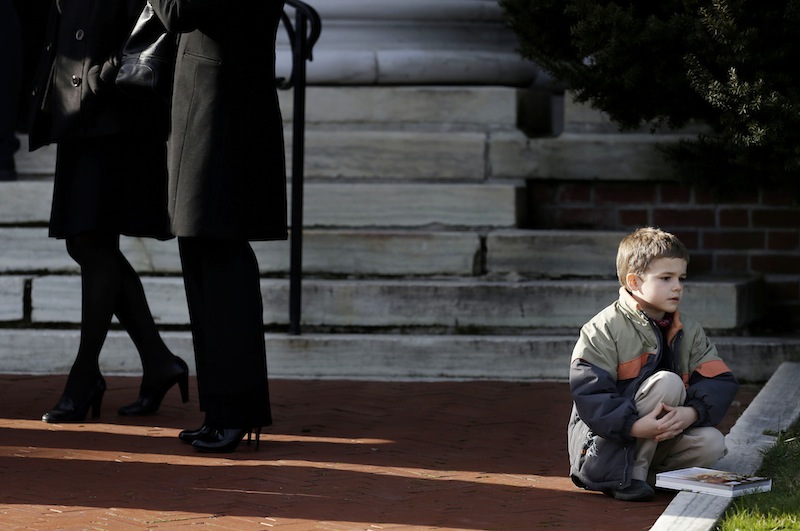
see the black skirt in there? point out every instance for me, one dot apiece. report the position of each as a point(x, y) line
point(113, 184)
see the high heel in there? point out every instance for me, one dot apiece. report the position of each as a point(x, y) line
point(202, 433)
point(67, 410)
point(149, 402)
point(226, 440)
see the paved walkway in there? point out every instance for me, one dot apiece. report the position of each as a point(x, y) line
point(342, 455)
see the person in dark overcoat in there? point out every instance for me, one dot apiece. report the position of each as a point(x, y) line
point(33, 25)
point(110, 179)
point(227, 187)
point(10, 80)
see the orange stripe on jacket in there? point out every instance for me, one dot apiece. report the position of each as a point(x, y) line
point(712, 368)
point(631, 369)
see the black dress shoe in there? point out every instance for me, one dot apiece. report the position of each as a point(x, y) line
point(202, 433)
point(150, 400)
point(225, 440)
point(638, 490)
point(67, 410)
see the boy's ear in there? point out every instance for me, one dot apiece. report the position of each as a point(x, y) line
point(632, 281)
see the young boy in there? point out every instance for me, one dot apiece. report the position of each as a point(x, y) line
point(647, 385)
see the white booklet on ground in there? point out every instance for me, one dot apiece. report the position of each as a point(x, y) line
point(709, 481)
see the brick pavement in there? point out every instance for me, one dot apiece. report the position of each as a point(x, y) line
point(342, 455)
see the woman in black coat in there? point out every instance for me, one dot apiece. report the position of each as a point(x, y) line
point(110, 179)
point(10, 80)
point(227, 186)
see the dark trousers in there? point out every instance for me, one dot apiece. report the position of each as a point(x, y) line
point(225, 309)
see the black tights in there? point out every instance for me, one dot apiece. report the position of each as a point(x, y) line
point(110, 286)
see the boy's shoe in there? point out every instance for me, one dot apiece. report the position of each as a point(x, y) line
point(638, 490)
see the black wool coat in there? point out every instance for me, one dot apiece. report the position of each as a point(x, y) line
point(73, 93)
point(226, 152)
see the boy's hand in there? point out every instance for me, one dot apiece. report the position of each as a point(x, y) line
point(664, 422)
point(647, 427)
point(674, 421)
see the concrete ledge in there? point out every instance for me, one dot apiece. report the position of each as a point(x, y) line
point(629, 157)
point(756, 359)
point(363, 205)
point(413, 66)
point(390, 253)
point(419, 357)
point(29, 251)
point(355, 356)
point(39, 163)
point(408, 304)
point(552, 253)
point(391, 155)
point(411, 10)
point(775, 409)
point(25, 202)
point(12, 290)
point(399, 105)
point(349, 356)
point(414, 42)
point(412, 205)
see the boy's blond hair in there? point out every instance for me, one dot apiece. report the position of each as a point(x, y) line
point(638, 249)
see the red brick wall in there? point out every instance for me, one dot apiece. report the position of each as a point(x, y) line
point(754, 232)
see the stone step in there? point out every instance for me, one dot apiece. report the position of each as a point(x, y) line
point(552, 253)
point(571, 156)
point(417, 42)
point(39, 164)
point(362, 154)
point(361, 253)
point(340, 204)
point(466, 155)
point(357, 153)
point(417, 132)
point(326, 252)
point(443, 306)
point(377, 356)
point(450, 107)
point(398, 152)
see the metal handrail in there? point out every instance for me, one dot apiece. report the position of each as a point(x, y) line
point(303, 34)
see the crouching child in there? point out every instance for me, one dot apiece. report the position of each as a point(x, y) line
point(647, 385)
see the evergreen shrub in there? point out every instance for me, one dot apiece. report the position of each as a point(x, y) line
point(729, 64)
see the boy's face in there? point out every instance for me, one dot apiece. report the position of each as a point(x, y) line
point(659, 290)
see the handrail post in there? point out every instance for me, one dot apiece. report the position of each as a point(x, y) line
point(298, 176)
point(302, 39)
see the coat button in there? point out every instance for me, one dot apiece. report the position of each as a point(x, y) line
point(79, 35)
point(76, 81)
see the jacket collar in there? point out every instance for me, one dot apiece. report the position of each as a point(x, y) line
point(632, 309)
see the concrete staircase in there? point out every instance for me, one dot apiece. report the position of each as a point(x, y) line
point(416, 263)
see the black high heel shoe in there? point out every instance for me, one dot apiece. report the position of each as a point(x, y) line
point(202, 433)
point(225, 440)
point(67, 410)
point(149, 402)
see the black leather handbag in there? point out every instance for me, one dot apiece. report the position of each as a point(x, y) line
point(147, 64)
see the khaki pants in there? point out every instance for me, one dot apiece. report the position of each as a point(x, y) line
point(694, 447)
